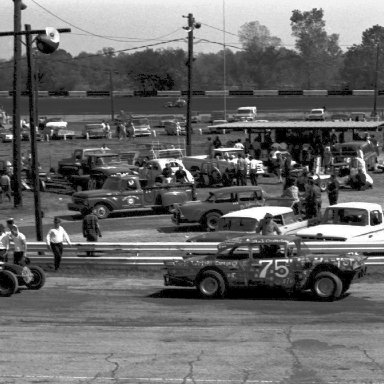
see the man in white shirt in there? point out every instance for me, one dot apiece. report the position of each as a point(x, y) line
point(55, 238)
point(4, 244)
point(19, 244)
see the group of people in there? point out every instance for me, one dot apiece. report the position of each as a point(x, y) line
point(10, 235)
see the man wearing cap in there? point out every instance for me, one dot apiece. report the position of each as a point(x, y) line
point(55, 239)
point(19, 245)
point(267, 226)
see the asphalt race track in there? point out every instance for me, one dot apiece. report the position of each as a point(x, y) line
point(148, 105)
point(97, 329)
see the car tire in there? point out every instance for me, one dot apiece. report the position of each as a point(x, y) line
point(8, 283)
point(327, 286)
point(101, 211)
point(38, 278)
point(211, 220)
point(211, 285)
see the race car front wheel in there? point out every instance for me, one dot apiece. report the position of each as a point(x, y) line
point(211, 285)
point(327, 286)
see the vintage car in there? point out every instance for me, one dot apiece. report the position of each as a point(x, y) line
point(178, 103)
point(138, 127)
point(94, 131)
point(272, 261)
point(354, 221)
point(6, 135)
point(152, 170)
point(245, 222)
point(173, 127)
point(219, 202)
point(56, 128)
point(13, 276)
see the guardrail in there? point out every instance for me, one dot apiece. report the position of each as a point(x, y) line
point(138, 253)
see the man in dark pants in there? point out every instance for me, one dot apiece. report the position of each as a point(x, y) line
point(55, 239)
point(91, 228)
point(333, 190)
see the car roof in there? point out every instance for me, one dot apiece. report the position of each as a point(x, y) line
point(357, 205)
point(235, 189)
point(260, 239)
point(259, 212)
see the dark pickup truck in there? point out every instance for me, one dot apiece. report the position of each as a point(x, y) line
point(96, 168)
point(126, 193)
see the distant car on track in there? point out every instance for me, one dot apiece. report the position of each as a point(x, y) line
point(178, 103)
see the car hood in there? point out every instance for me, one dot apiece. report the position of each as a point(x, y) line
point(334, 231)
point(216, 237)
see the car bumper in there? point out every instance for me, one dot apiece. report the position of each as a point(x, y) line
point(177, 281)
point(177, 218)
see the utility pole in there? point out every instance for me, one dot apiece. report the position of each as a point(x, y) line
point(47, 42)
point(16, 93)
point(111, 93)
point(32, 124)
point(374, 112)
point(191, 26)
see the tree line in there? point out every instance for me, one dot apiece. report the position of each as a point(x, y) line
point(317, 62)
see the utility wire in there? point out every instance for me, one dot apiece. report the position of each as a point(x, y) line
point(111, 38)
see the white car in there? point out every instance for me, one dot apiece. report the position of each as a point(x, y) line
point(352, 221)
point(153, 169)
point(138, 127)
point(245, 221)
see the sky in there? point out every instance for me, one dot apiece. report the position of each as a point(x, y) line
point(130, 25)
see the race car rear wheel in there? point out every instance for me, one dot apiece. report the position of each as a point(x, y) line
point(327, 286)
point(211, 285)
point(8, 283)
point(101, 211)
point(38, 277)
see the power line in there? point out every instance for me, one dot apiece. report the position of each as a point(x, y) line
point(111, 38)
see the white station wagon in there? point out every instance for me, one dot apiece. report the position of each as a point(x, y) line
point(245, 221)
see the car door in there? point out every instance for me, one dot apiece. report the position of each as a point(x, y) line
point(235, 264)
point(130, 196)
point(290, 224)
point(270, 266)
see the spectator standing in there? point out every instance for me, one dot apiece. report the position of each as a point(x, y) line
point(253, 165)
point(279, 166)
point(167, 173)
point(311, 207)
point(217, 142)
point(327, 159)
point(359, 181)
point(91, 228)
point(239, 144)
point(333, 190)
point(181, 175)
point(241, 170)
point(257, 147)
point(4, 244)
point(210, 147)
point(19, 244)
point(291, 191)
point(55, 239)
point(267, 226)
point(5, 183)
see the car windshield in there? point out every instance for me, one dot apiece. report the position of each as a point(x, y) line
point(244, 110)
point(110, 159)
point(345, 216)
point(316, 112)
point(140, 121)
point(237, 224)
point(112, 183)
